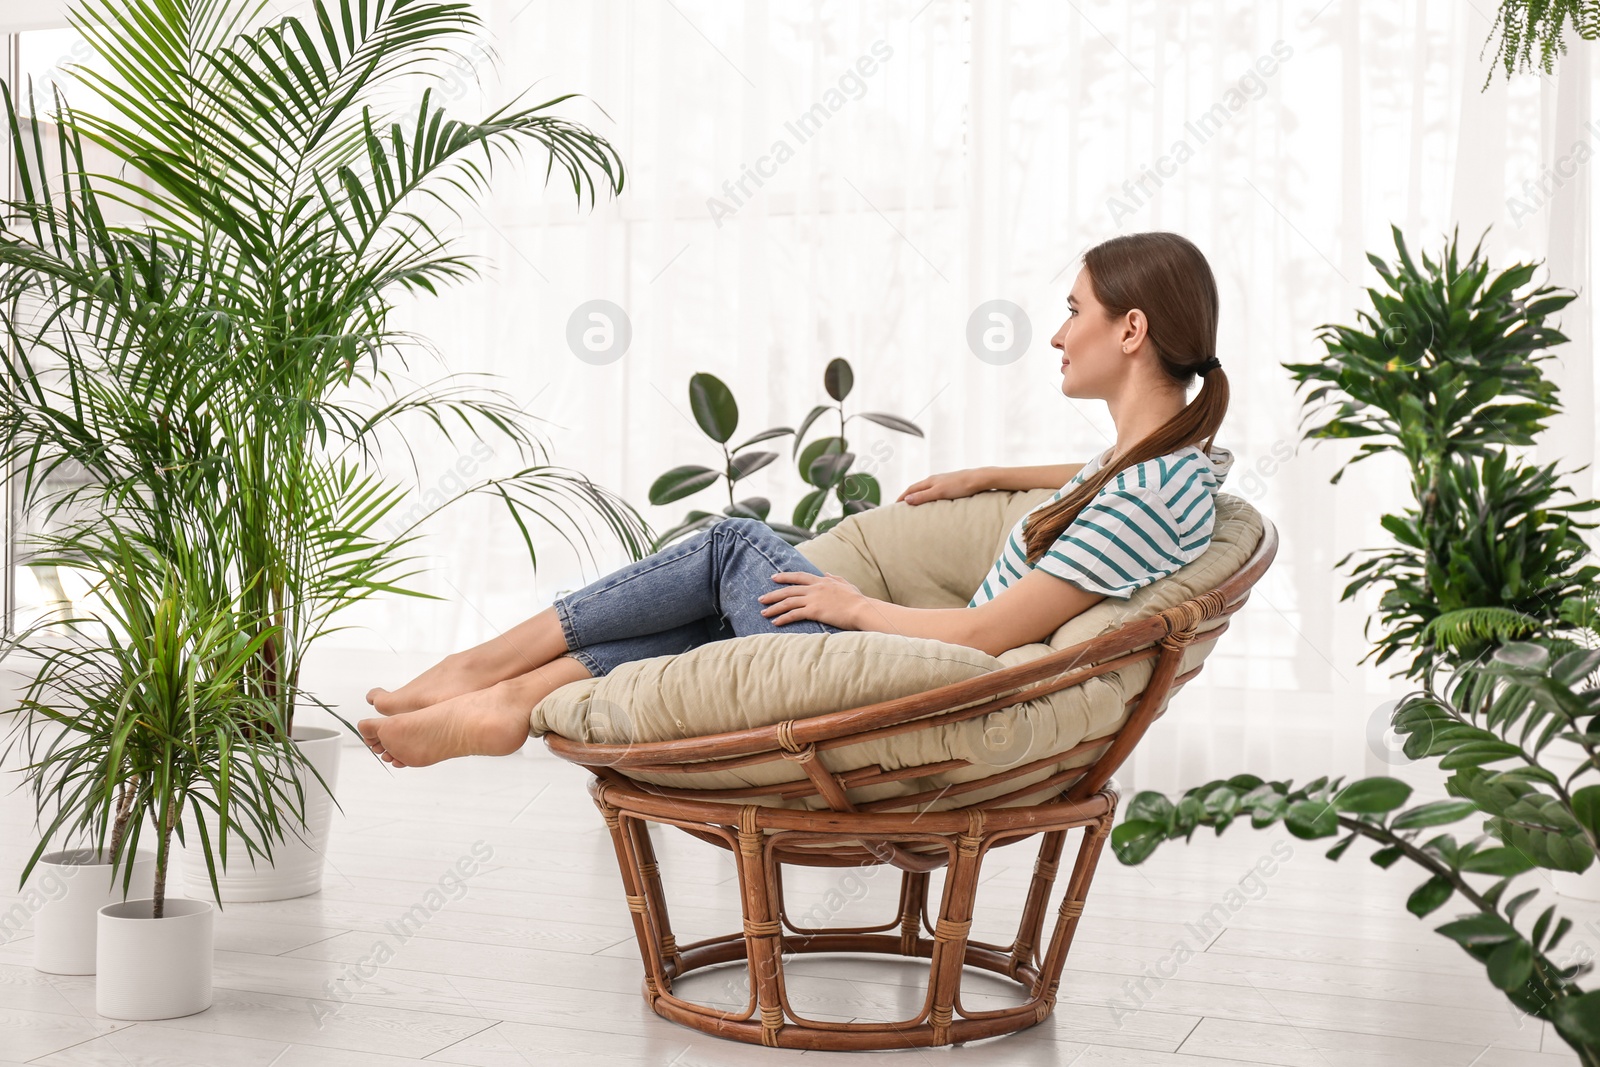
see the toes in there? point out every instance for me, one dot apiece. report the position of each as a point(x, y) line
point(369, 733)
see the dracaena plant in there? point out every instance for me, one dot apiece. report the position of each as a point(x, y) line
point(1445, 362)
point(1498, 557)
point(140, 708)
point(1443, 371)
point(826, 463)
point(197, 279)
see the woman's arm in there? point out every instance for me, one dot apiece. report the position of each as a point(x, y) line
point(1048, 476)
point(1026, 613)
point(951, 625)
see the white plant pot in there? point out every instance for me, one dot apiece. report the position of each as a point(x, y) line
point(1585, 886)
point(71, 886)
point(154, 968)
point(295, 868)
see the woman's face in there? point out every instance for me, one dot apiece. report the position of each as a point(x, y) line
point(1092, 359)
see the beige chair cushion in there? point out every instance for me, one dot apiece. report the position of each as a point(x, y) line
point(926, 555)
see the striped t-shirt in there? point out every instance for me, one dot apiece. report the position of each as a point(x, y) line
point(1144, 524)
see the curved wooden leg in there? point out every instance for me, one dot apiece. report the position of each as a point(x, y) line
point(655, 896)
point(763, 931)
point(623, 838)
point(913, 899)
point(1044, 877)
point(950, 933)
point(1094, 838)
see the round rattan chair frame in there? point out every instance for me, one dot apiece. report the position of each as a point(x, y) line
point(764, 837)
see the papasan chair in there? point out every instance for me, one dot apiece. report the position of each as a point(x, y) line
point(861, 748)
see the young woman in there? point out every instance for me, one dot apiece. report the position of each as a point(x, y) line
point(1141, 329)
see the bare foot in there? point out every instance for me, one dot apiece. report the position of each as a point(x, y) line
point(485, 722)
point(450, 677)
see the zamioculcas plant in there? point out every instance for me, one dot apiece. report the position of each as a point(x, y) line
point(1500, 715)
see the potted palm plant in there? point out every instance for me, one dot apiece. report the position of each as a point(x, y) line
point(237, 330)
point(137, 711)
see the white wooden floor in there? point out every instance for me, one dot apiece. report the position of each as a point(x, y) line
point(1318, 965)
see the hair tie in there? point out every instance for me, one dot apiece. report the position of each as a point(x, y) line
point(1207, 366)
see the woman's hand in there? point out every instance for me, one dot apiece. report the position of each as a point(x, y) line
point(824, 598)
point(948, 486)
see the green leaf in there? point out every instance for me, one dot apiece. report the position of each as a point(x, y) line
point(1558, 849)
point(821, 448)
point(1150, 806)
point(893, 422)
point(713, 406)
point(1429, 896)
point(1542, 924)
point(1477, 753)
point(1523, 655)
point(1586, 808)
point(837, 378)
point(751, 507)
point(1221, 802)
point(1497, 861)
point(1133, 840)
point(809, 507)
point(1518, 902)
point(827, 471)
point(1310, 819)
point(764, 435)
point(1371, 796)
point(1433, 813)
point(1189, 813)
point(1386, 857)
point(860, 486)
point(1577, 1018)
point(680, 482)
point(1511, 963)
point(1268, 810)
point(1480, 929)
point(746, 464)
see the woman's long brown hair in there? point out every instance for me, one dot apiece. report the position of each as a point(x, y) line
point(1165, 276)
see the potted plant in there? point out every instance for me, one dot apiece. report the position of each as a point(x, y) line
point(826, 464)
point(1488, 592)
point(237, 332)
point(139, 710)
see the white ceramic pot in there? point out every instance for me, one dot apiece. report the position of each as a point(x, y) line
point(154, 968)
point(295, 868)
point(70, 887)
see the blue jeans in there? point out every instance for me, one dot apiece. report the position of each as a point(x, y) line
point(702, 588)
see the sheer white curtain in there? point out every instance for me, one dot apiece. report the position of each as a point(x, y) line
point(853, 179)
point(989, 145)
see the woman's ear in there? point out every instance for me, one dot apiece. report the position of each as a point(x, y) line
point(1134, 329)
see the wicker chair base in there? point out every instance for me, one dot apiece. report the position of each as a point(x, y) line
point(765, 839)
